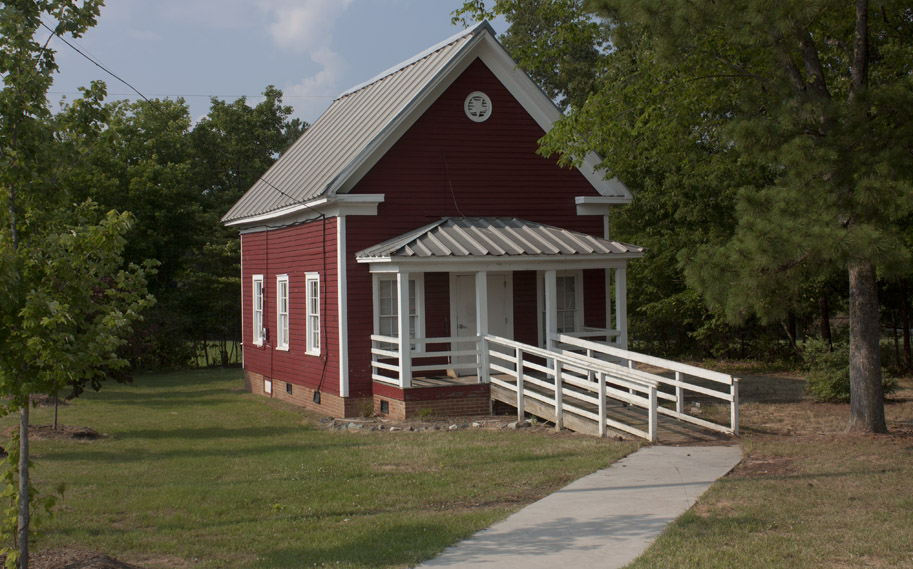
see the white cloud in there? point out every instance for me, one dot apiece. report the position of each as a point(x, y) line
point(303, 25)
point(306, 27)
point(326, 81)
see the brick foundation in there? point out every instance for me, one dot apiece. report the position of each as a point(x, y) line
point(449, 401)
point(330, 404)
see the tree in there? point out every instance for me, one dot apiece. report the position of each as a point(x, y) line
point(802, 111)
point(66, 301)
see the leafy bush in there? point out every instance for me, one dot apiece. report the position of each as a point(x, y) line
point(828, 379)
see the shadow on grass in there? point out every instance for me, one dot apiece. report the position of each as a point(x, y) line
point(403, 544)
point(236, 442)
point(170, 399)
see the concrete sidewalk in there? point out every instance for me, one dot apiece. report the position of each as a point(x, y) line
point(603, 520)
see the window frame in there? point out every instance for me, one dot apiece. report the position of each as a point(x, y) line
point(540, 300)
point(257, 335)
point(416, 285)
point(282, 333)
point(312, 314)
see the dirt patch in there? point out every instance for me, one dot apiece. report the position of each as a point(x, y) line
point(64, 433)
point(40, 400)
point(763, 466)
point(68, 558)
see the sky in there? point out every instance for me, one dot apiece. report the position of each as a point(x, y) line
point(310, 49)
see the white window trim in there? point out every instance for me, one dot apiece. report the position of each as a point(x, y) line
point(312, 348)
point(257, 332)
point(419, 280)
point(540, 301)
point(282, 340)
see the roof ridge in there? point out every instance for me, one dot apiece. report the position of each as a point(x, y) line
point(418, 57)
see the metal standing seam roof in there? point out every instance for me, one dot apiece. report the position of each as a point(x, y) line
point(493, 237)
point(347, 129)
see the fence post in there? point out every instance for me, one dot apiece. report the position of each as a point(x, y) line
point(734, 406)
point(559, 412)
point(679, 394)
point(602, 404)
point(590, 374)
point(651, 429)
point(484, 362)
point(521, 410)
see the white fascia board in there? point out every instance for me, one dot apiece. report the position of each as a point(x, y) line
point(597, 205)
point(558, 262)
point(349, 204)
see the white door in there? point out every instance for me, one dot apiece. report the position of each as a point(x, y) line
point(463, 312)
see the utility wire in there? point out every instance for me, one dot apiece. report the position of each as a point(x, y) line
point(99, 65)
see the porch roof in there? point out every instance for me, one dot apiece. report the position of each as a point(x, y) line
point(494, 237)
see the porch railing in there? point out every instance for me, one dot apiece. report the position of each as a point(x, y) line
point(426, 355)
point(685, 379)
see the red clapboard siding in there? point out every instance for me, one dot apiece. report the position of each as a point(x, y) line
point(295, 251)
point(447, 165)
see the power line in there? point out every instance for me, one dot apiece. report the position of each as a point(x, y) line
point(260, 96)
point(99, 65)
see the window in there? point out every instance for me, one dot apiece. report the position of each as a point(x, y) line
point(567, 303)
point(386, 309)
point(568, 300)
point(282, 312)
point(258, 310)
point(312, 285)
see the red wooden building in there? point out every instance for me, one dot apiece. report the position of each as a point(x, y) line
point(417, 207)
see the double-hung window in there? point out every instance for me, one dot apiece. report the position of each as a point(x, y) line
point(568, 303)
point(282, 294)
point(566, 287)
point(257, 310)
point(312, 285)
point(386, 310)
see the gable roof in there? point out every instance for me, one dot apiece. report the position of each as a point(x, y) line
point(494, 237)
point(363, 122)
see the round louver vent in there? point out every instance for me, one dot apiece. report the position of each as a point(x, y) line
point(477, 106)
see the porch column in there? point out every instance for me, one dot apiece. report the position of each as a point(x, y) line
point(551, 307)
point(482, 324)
point(608, 301)
point(405, 356)
point(621, 307)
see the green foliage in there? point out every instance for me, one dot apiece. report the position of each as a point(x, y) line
point(555, 41)
point(177, 180)
point(828, 371)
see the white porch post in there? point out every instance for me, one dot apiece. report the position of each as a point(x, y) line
point(482, 324)
point(405, 355)
point(551, 307)
point(608, 302)
point(621, 307)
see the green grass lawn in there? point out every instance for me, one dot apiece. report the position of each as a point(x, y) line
point(807, 495)
point(193, 471)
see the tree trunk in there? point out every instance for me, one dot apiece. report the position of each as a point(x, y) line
point(905, 322)
point(22, 535)
point(791, 334)
point(824, 311)
point(866, 394)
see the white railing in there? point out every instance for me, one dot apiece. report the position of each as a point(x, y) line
point(565, 385)
point(715, 384)
point(590, 332)
point(425, 355)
